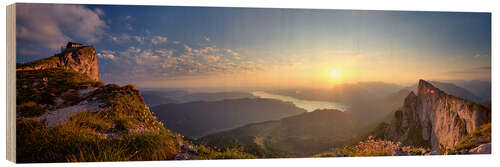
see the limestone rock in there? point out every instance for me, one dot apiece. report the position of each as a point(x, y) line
point(432, 118)
point(82, 59)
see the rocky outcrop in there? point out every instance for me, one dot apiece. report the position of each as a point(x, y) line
point(482, 149)
point(81, 59)
point(432, 118)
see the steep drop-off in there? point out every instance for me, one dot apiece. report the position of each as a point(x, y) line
point(432, 118)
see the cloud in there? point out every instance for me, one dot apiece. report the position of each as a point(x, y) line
point(51, 25)
point(139, 64)
point(206, 38)
point(477, 55)
point(139, 39)
point(159, 39)
point(106, 54)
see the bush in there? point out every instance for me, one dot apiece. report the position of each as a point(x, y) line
point(71, 96)
point(29, 109)
point(122, 124)
point(473, 140)
point(371, 147)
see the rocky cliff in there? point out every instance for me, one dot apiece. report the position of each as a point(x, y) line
point(81, 59)
point(432, 118)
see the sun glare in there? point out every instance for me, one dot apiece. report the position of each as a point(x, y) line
point(335, 74)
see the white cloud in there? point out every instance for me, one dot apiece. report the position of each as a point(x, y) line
point(152, 64)
point(52, 25)
point(158, 39)
point(477, 55)
point(106, 54)
point(139, 39)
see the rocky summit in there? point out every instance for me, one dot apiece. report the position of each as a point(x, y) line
point(81, 58)
point(432, 118)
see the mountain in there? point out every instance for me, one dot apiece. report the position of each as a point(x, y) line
point(478, 87)
point(344, 93)
point(433, 118)
point(452, 89)
point(294, 136)
point(202, 117)
point(80, 59)
point(217, 96)
point(162, 96)
point(366, 100)
point(64, 114)
point(152, 98)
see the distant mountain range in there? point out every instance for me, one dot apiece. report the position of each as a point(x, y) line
point(156, 97)
point(199, 118)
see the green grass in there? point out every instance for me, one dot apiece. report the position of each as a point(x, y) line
point(472, 140)
point(50, 61)
point(29, 109)
point(238, 152)
point(75, 141)
point(30, 84)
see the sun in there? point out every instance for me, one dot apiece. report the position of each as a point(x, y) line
point(335, 74)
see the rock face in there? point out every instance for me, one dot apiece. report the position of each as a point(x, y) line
point(81, 59)
point(434, 119)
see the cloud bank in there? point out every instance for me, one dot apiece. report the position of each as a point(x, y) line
point(143, 60)
point(50, 26)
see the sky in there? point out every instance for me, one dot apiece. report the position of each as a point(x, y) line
point(188, 47)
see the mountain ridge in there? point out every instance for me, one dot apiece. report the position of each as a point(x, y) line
point(436, 119)
point(81, 59)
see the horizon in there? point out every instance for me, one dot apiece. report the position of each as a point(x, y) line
point(236, 48)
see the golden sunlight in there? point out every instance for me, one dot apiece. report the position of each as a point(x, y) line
point(335, 74)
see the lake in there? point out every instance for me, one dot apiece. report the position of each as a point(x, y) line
point(309, 105)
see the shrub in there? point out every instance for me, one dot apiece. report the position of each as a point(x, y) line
point(122, 124)
point(371, 147)
point(29, 109)
point(71, 96)
point(472, 140)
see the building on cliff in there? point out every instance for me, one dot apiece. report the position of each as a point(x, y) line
point(76, 56)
